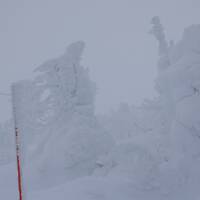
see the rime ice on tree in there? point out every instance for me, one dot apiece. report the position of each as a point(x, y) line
point(61, 100)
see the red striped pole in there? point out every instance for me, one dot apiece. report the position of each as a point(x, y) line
point(18, 165)
point(19, 170)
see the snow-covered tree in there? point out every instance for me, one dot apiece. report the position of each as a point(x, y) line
point(66, 82)
point(178, 86)
point(71, 139)
point(158, 31)
point(169, 134)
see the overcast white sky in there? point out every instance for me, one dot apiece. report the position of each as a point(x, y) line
point(120, 53)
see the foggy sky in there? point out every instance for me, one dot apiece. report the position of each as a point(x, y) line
point(120, 53)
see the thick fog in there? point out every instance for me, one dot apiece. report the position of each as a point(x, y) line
point(73, 62)
point(120, 53)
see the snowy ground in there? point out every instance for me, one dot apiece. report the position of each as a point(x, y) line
point(80, 189)
point(8, 182)
point(89, 188)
